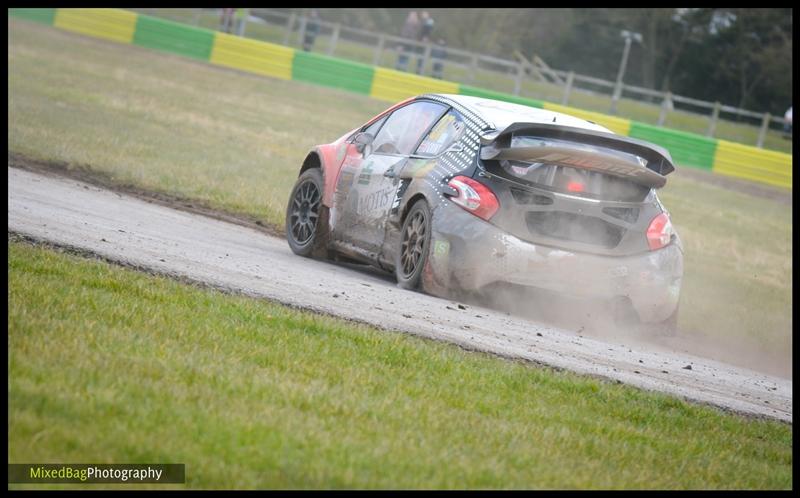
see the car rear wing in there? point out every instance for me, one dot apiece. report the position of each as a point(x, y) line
point(637, 160)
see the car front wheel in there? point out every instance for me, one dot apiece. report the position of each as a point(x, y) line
point(306, 217)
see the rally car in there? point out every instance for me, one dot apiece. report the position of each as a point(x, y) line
point(456, 193)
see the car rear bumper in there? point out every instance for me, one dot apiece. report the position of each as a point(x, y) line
point(470, 254)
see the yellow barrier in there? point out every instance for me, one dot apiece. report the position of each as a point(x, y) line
point(111, 24)
point(753, 163)
point(394, 86)
point(621, 126)
point(252, 56)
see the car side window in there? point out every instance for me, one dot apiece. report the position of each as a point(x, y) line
point(374, 127)
point(404, 128)
point(449, 129)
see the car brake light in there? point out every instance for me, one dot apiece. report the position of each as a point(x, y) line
point(474, 196)
point(660, 231)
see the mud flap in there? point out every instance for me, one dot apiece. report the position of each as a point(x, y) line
point(436, 269)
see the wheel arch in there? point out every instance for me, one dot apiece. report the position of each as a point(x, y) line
point(312, 160)
point(410, 203)
point(315, 159)
point(328, 158)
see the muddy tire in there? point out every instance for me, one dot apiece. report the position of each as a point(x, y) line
point(415, 242)
point(307, 218)
point(623, 314)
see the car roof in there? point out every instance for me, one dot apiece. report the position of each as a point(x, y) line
point(501, 114)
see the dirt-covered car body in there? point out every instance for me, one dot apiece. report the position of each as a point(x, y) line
point(511, 194)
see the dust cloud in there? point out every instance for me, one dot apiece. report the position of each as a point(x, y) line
point(604, 318)
point(596, 318)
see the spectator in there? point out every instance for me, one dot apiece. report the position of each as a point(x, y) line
point(787, 127)
point(241, 20)
point(312, 30)
point(226, 20)
point(438, 54)
point(426, 27)
point(410, 31)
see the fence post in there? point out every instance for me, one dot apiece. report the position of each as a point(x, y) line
point(568, 88)
point(376, 60)
point(763, 132)
point(289, 28)
point(712, 125)
point(243, 26)
point(615, 96)
point(196, 19)
point(425, 58)
point(302, 38)
point(334, 38)
point(473, 68)
point(665, 108)
point(518, 79)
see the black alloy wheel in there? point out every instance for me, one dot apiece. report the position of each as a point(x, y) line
point(414, 245)
point(306, 216)
point(305, 212)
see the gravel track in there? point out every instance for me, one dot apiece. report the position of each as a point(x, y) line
point(159, 239)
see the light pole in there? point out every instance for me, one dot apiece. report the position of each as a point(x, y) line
point(628, 35)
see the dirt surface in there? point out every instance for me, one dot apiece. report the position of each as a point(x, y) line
point(148, 235)
point(86, 174)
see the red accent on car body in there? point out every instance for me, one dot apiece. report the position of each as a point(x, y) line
point(331, 162)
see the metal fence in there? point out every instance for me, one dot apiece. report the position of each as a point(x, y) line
point(519, 77)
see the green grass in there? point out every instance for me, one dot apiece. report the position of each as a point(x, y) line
point(107, 365)
point(236, 141)
point(503, 81)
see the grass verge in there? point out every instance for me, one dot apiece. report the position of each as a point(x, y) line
point(107, 365)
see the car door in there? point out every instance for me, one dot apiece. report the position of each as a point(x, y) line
point(364, 193)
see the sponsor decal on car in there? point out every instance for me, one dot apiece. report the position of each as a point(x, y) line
point(376, 201)
point(366, 173)
point(441, 248)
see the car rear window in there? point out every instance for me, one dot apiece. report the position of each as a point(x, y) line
point(574, 181)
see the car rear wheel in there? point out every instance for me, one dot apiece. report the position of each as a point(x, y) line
point(415, 240)
point(306, 217)
point(625, 316)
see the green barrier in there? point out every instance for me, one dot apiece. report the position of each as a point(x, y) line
point(489, 94)
point(44, 16)
point(331, 71)
point(687, 149)
point(173, 37)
